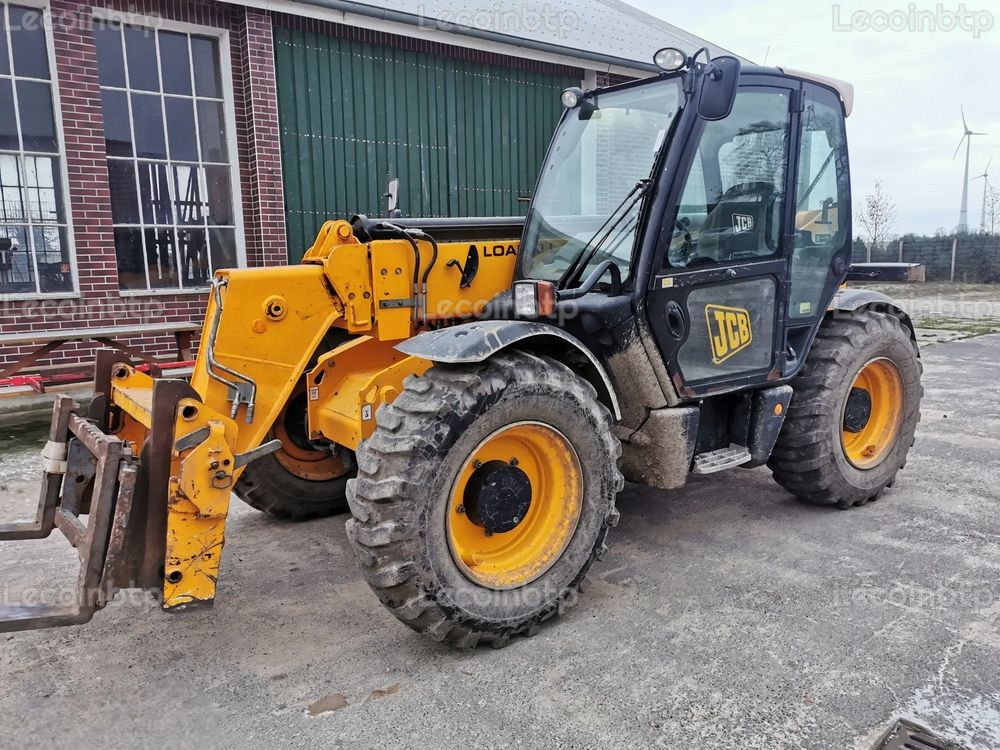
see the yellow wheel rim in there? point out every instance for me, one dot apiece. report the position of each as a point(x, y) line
point(490, 541)
point(872, 414)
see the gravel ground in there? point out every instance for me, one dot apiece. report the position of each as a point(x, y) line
point(725, 614)
point(947, 312)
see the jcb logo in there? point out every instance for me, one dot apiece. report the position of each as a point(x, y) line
point(728, 330)
point(742, 223)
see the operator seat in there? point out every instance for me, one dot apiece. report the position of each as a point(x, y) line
point(737, 225)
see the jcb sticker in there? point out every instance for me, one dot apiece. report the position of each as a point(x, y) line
point(742, 223)
point(728, 330)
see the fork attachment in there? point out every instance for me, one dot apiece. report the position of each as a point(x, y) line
point(85, 472)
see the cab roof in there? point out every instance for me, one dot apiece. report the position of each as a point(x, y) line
point(844, 89)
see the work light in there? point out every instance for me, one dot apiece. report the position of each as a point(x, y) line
point(571, 97)
point(670, 59)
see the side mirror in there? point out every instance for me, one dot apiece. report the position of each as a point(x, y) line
point(392, 197)
point(718, 88)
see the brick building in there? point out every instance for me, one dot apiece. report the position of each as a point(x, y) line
point(146, 143)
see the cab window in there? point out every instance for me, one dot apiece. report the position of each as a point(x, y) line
point(822, 202)
point(733, 197)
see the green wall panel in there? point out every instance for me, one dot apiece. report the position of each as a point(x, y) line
point(464, 138)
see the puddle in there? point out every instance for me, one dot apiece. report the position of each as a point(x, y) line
point(15, 440)
point(333, 702)
point(386, 691)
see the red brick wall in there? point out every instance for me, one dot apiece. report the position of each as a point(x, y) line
point(612, 79)
point(260, 162)
point(254, 97)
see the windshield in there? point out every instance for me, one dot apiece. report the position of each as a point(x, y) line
point(583, 198)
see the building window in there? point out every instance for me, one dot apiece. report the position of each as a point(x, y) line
point(34, 244)
point(169, 154)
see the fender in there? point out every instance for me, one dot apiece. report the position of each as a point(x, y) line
point(849, 300)
point(474, 342)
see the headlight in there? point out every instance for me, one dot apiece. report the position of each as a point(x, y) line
point(534, 299)
point(670, 59)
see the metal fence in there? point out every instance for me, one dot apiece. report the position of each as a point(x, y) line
point(973, 258)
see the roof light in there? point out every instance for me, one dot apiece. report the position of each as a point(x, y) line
point(571, 97)
point(670, 59)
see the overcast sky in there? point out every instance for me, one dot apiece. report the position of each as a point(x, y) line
point(909, 86)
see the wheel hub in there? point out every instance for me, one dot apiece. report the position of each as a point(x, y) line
point(858, 410)
point(497, 497)
point(873, 412)
point(298, 455)
point(514, 505)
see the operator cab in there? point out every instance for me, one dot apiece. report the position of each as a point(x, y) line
point(712, 200)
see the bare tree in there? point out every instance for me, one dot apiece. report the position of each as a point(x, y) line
point(991, 219)
point(877, 215)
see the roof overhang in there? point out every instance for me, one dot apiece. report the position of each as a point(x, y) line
point(402, 23)
point(843, 88)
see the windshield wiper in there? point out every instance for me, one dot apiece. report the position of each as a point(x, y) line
point(589, 250)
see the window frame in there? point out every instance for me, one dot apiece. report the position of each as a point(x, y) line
point(811, 91)
point(692, 153)
point(60, 155)
point(222, 35)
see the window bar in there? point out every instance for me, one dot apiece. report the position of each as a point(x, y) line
point(201, 157)
point(22, 176)
point(171, 175)
point(135, 159)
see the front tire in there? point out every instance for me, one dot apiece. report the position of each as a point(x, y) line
point(462, 540)
point(854, 411)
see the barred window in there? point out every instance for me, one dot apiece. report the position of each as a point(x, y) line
point(34, 244)
point(169, 155)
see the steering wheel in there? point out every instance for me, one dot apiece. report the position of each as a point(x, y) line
point(684, 225)
point(680, 254)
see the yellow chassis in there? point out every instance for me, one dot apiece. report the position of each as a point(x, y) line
point(265, 326)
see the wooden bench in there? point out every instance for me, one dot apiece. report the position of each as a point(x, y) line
point(48, 341)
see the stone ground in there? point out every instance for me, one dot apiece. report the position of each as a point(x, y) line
point(725, 614)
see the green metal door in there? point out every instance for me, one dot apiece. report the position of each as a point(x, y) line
point(464, 138)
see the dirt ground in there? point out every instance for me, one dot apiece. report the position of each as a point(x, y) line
point(725, 614)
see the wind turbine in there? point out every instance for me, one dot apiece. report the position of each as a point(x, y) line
point(963, 215)
point(985, 177)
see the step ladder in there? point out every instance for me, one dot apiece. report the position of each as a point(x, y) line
point(721, 459)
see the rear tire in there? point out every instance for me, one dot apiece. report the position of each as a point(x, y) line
point(302, 481)
point(411, 472)
point(269, 487)
point(816, 456)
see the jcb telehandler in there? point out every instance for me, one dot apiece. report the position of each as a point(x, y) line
point(476, 391)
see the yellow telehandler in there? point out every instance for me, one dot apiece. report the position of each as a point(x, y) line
point(474, 392)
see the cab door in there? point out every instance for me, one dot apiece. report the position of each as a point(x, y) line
point(717, 304)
